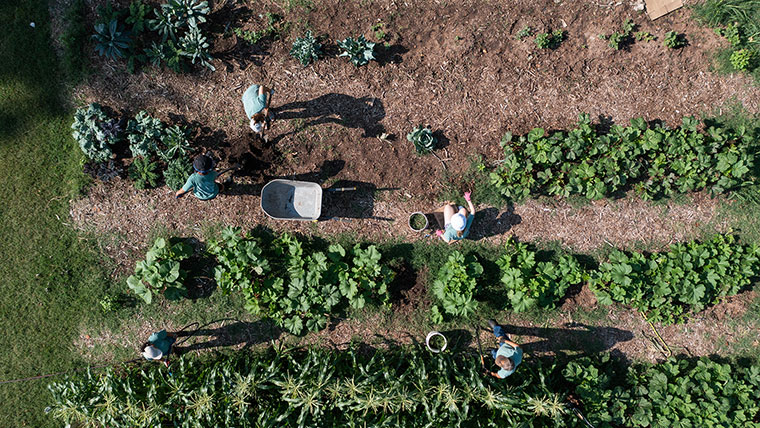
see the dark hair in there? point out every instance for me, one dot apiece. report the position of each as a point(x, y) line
point(145, 345)
point(258, 117)
point(203, 163)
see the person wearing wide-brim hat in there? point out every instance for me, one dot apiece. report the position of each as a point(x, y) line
point(158, 346)
point(457, 221)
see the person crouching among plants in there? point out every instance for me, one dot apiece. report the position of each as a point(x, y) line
point(256, 102)
point(509, 354)
point(158, 346)
point(456, 222)
point(203, 181)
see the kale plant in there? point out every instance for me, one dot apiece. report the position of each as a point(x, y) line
point(138, 10)
point(111, 41)
point(359, 50)
point(160, 272)
point(194, 46)
point(143, 173)
point(423, 140)
point(143, 133)
point(174, 143)
point(103, 171)
point(177, 172)
point(95, 132)
point(306, 49)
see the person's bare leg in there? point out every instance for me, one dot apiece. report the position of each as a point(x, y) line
point(448, 212)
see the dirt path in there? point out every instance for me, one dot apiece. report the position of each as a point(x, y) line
point(118, 208)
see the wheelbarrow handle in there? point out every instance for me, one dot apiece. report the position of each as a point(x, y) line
point(342, 189)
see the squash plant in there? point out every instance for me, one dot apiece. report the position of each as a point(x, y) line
point(240, 260)
point(160, 272)
point(364, 279)
point(655, 161)
point(688, 277)
point(454, 287)
point(532, 284)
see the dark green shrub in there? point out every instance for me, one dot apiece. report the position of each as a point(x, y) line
point(177, 172)
point(306, 49)
point(143, 173)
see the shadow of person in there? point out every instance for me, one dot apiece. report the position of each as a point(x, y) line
point(492, 222)
point(347, 199)
point(236, 333)
point(341, 109)
point(576, 338)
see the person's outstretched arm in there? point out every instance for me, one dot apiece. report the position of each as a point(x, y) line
point(469, 202)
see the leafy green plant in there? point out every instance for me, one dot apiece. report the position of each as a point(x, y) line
point(138, 10)
point(306, 49)
point(194, 46)
point(423, 140)
point(177, 172)
point(674, 40)
point(655, 161)
point(359, 51)
point(240, 261)
point(742, 59)
point(689, 276)
point(525, 32)
point(174, 143)
point(143, 173)
point(364, 279)
point(732, 32)
point(166, 53)
point(531, 283)
point(109, 304)
point(644, 36)
point(111, 41)
point(619, 39)
point(273, 30)
point(550, 40)
point(455, 286)
point(95, 132)
point(161, 272)
point(144, 133)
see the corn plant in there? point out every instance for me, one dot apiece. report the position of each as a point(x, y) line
point(306, 49)
point(160, 272)
point(531, 283)
point(454, 287)
point(423, 140)
point(143, 173)
point(95, 132)
point(111, 41)
point(359, 51)
point(144, 133)
point(177, 172)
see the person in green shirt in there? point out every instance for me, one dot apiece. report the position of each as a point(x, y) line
point(256, 102)
point(158, 346)
point(509, 354)
point(457, 222)
point(203, 182)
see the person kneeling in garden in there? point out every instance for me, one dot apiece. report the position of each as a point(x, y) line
point(158, 346)
point(256, 102)
point(203, 182)
point(508, 356)
point(456, 223)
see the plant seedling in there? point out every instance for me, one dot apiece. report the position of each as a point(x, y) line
point(306, 49)
point(550, 40)
point(645, 36)
point(525, 32)
point(423, 140)
point(674, 40)
point(359, 51)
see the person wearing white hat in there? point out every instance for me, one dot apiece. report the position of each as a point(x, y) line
point(159, 345)
point(256, 102)
point(457, 223)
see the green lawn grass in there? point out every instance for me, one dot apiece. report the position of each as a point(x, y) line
point(51, 279)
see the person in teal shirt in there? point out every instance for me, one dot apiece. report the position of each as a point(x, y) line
point(159, 345)
point(457, 222)
point(509, 354)
point(203, 182)
point(256, 102)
